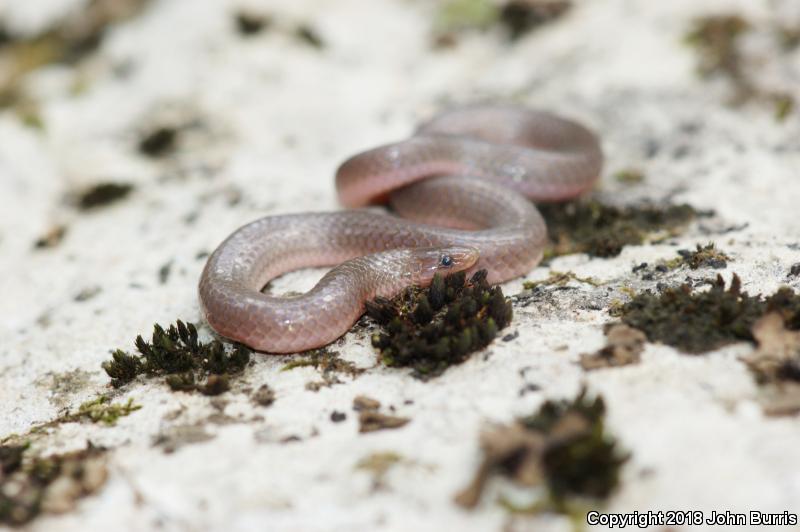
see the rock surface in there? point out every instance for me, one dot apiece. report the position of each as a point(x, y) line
point(213, 127)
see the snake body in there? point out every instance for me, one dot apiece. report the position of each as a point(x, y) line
point(460, 189)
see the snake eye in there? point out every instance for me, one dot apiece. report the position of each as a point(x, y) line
point(446, 261)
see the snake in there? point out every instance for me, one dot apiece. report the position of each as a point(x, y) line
point(460, 192)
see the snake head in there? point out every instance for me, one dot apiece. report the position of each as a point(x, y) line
point(450, 259)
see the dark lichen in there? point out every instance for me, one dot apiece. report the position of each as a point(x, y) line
point(159, 141)
point(588, 226)
point(249, 24)
point(434, 328)
point(564, 446)
point(102, 194)
point(31, 485)
point(522, 16)
point(177, 354)
point(700, 321)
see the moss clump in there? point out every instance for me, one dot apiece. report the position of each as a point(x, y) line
point(433, 328)
point(603, 230)
point(176, 353)
point(102, 194)
point(707, 256)
point(696, 322)
point(33, 485)
point(564, 446)
point(580, 457)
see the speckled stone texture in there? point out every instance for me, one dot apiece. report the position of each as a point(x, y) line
point(262, 122)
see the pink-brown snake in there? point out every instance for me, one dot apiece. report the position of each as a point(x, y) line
point(460, 187)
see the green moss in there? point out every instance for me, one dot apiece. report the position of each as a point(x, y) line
point(31, 485)
point(102, 194)
point(458, 15)
point(177, 354)
point(784, 104)
point(588, 226)
point(700, 321)
point(102, 410)
point(431, 329)
point(630, 176)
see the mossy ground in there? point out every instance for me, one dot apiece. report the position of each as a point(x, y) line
point(177, 355)
point(718, 41)
point(564, 446)
point(30, 484)
point(434, 328)
point(589, 226)
point(699, 321)
point(68, 42)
